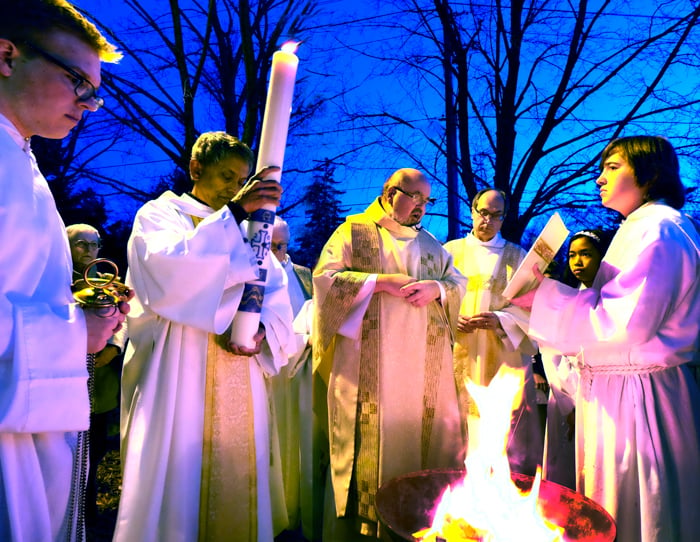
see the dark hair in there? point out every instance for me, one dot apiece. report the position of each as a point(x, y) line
point(29, 20)
point(600, 239)
point(490, 189)
point(212, 147)
point(655, 165)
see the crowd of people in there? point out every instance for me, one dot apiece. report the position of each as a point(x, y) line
point(355, 373)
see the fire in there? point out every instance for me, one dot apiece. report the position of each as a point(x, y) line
point(486, 505)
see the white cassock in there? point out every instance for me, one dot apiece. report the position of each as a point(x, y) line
point(637, 407)
point(188, 282)
point(43, 340)
point(559, 464)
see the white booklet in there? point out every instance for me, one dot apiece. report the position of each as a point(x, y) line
point(543, 250)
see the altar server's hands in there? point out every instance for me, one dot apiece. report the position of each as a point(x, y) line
point(257, 192)
point(104, 322)
point(526, 300)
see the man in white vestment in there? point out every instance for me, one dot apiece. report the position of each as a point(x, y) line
point(291, 394)
point(195, 439)
point(489, 332)
point(386, 298)
point(50, 58)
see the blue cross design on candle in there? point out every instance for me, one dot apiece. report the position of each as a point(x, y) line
point(260, 243)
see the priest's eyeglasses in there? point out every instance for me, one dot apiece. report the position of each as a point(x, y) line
point(83, 88)
point(486, 215)
point(87, 245)
point(417, 197)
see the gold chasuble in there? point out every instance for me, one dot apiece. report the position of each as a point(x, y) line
point(228, 501)
point(392, 399)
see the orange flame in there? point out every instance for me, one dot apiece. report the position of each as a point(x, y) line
point(486, 505)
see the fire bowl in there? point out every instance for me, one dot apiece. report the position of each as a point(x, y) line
point(406, 504)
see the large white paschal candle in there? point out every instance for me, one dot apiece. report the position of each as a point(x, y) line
point(273, 141)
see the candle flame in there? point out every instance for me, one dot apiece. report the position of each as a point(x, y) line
point(290, 46)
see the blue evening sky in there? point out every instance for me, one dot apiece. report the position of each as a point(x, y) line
point(340, 54)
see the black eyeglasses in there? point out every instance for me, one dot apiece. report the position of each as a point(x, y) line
point(418, 199)
point(276, 247)
point(83, 89)
point(483, 213)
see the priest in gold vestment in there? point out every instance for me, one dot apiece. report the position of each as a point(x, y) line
point(195, 438)
point(490, 331)
point(387, 298)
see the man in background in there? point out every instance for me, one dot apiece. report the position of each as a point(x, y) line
point(386, 298)
point(50, 58)
point(291, 393)
point(490, 331)
point(85, 244)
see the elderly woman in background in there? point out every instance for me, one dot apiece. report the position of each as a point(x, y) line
point(637, 406)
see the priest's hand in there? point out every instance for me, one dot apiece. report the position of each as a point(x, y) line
point(240, 350)
point(257, 191)
point(485, 320)
point(464, 324)
point(422, 292)
point(393, 283)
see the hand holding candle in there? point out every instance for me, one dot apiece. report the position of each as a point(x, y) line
point(257, 193)
point(273, 141)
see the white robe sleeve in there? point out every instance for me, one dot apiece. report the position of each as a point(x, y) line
point(43, 338)
point(192, 276)
point(276, 316)
point(638, 307)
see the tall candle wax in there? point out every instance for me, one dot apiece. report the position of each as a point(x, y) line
point(273, 141)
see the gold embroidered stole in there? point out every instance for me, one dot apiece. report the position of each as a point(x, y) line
point(228, 496)
point(438, 333)
point(228, 507)
point(303, 275)
point(365, 479)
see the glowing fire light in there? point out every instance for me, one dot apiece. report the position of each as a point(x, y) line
point(486, 505)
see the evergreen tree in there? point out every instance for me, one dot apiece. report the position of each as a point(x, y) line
point(324, 213)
